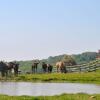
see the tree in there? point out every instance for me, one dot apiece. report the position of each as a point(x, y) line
point(68, 60)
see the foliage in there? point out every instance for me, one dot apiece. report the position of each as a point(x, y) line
point(85, 57)
point(68, 60)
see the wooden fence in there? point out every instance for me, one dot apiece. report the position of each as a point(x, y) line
point(89, 67)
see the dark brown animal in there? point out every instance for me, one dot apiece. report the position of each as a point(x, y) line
point(49, 68)
point(35, 65)
point(6, 68)
point(3, 69)
point(44, 67)
point(13, 66)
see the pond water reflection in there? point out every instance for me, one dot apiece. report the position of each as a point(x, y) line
point(47, 89)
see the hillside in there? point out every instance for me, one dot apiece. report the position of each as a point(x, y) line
point(79, 58)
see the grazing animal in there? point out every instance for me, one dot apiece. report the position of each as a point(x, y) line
point(16, 67)
point(6, 68)
point(61, 67)
point(10, 67)
point(13, 66)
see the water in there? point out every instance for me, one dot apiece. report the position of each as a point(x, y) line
point(46, 89)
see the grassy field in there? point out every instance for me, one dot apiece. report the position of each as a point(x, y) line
point(89, 77)
point(57, 97)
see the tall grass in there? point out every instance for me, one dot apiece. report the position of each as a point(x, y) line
point(89, 77)
point(57, 97)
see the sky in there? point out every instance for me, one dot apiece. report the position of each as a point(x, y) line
point(37, 29)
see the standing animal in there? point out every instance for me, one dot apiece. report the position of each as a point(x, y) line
point(13, 66)
point(10, 67)
point(61, 67)
point(49, 68)
point(3, 69)
point(16, 67)
point(44, 67)
point(6, 68)
point(34, 66)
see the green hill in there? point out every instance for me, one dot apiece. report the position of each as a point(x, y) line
point(79, 58)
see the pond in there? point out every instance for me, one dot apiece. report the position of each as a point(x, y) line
point(46, 89)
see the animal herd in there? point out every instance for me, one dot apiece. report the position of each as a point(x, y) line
point(7, 68)
point(47, 68)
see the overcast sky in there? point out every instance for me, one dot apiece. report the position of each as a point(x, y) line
point(42, 28)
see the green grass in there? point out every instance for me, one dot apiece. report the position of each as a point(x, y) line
point(57, 97)
point(89, 77)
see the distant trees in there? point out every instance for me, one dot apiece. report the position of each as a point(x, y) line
point(85, 57)
point(78, 58)
point(53, 60)
point(68, 60)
